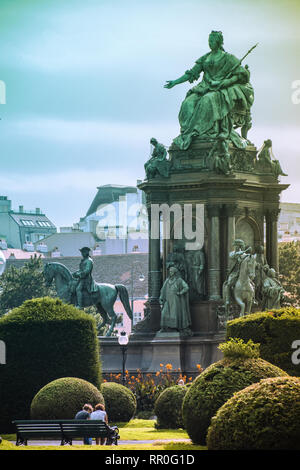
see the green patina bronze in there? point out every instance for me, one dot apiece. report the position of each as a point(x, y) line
point(273, 292)
point(157, 165)
point(175, 314)
point(220, 102)
point(238, 287)
point(81, 290)
point(250, 281)
point(266, 163)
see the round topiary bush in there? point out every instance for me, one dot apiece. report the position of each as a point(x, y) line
point(63, 398)
point(45, 340)
point(265, 415)
point(120, 402)
point(168, 407)
point(275, 330)
point(212, 388)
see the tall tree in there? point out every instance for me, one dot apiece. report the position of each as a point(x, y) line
point(18, 285)
point(289, 269)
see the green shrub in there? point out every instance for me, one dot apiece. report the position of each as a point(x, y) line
point(120, 402)
point(275, 330)
point(168, 406)
point(235, 348)
point(63, 398)
point(45, 340)
point(211, 389)
point(265, 415)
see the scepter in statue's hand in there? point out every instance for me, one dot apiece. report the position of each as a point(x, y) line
point(229, 78)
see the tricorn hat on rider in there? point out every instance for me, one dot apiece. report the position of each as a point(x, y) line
point(85, 249)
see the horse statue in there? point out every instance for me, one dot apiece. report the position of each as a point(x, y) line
point(103, 298)
point(243, 292)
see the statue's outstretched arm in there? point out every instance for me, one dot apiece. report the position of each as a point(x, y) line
point(171, 83)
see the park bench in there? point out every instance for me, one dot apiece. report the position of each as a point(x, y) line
point(65, 430)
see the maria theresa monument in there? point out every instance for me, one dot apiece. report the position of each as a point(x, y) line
point(213, 204)
point(211, 164)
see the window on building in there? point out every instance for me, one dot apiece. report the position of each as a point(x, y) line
point(28, 223)
point(43, 223)
point(137, 317)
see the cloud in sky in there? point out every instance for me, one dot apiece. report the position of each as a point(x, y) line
point(85, 88)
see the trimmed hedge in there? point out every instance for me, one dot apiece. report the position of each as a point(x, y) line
point(213, 387)
point(264, 416)
point(63, 398)
point(45, 340)
point(275, 330)
point(120, 402)
point(168, 407)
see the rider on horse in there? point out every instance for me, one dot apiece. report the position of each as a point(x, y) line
point(85, 281)
point(235, 259)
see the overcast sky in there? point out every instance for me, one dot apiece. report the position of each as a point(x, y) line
point(84, 89)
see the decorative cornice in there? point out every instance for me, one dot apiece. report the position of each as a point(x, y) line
point(213, 210)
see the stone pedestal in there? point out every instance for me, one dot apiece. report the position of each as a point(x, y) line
point(204, 317)
point(146, 354)
point(242, 204)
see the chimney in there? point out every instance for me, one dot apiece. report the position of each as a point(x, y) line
point(37, 210)
point(21, 209)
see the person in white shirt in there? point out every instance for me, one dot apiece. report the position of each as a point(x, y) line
point(101, 415)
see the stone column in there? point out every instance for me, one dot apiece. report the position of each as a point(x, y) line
point(154, 262)
point(149, 251)
point(230, 210)
point(154, 283)
point(272, 238)
point(214, 270)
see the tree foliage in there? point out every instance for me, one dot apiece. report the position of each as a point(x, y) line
point(20, 284)
point(289, 269)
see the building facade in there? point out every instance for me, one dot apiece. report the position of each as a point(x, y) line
point(21, 228)
point(118, 220)
point(289, 222)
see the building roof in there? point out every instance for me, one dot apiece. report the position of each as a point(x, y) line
point(32, 220)
point(15, 253)
point(69, 243)
point(108, 194)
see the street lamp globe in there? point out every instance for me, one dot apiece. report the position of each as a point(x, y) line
point(123, 338)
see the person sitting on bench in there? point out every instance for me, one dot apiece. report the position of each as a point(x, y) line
point(100, 414)
point(85, 413)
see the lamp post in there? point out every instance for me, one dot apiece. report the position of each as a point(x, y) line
point(123, 341)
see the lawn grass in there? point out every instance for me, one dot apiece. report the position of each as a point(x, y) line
point(143, 430)
point(172, 446)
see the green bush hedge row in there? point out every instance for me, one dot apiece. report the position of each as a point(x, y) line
point(45, 340)
point(120, 402)
point(168, 407)
point(213, 387)
point(63, 398)
point(275, 330)
point(264, 416)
